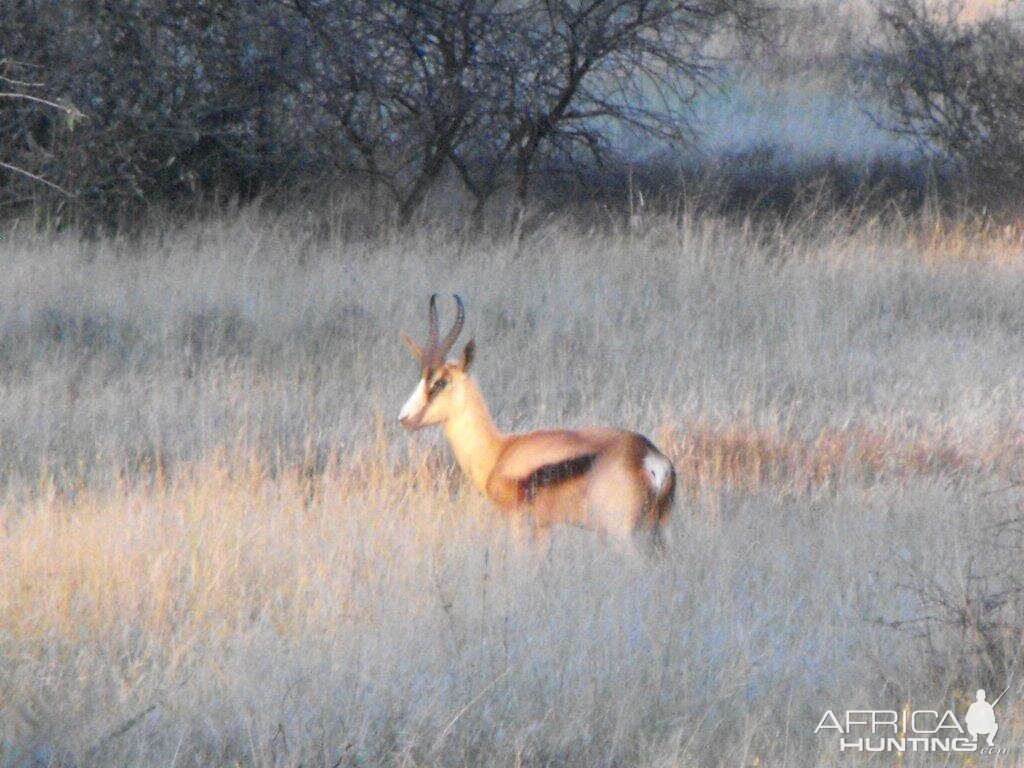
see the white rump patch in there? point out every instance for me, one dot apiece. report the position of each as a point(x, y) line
point(658, 469)
point(417, 401)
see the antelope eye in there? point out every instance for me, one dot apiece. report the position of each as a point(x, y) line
point(438, 386)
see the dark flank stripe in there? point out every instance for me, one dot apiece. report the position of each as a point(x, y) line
point(554, 474)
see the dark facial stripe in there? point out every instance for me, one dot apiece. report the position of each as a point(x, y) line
point(555, 474)
point(436, 387)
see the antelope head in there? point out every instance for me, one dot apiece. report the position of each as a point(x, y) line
point(441, 391)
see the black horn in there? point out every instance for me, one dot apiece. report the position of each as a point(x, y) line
point(453, 334)
point(431, 347)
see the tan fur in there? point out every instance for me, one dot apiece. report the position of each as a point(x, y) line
point(614, 496)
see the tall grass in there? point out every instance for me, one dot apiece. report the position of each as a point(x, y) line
point(217, 548)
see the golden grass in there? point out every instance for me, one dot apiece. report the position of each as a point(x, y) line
point(217, 547)
point(709, 457)
point(191, 550)
point(164, 594)
point(943, 240)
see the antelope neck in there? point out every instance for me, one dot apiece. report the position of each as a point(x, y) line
point(474, 439)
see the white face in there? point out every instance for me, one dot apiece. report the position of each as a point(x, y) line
point(433, 400)
point(415, 405)
point(440, 392)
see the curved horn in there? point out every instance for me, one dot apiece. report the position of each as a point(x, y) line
point(453, 334)
point(431, 346)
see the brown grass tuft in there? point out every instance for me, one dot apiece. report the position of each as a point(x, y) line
point(710, 457)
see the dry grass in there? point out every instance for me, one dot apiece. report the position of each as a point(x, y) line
point(216, 548)
point(710, 458)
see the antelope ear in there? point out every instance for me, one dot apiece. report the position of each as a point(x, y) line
point(413, 346)
point(467, 355)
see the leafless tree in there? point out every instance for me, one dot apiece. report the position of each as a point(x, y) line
point(404, 80)
point(580, 71)
point(957, 88)
point(491, 88)
point(23, 95)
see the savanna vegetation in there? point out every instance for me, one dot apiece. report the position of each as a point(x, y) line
point(800, 272)
point(219, 548)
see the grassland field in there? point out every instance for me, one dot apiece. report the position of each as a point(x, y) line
point(218, 548)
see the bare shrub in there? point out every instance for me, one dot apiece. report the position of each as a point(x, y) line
point(178, 100)
point(956, 87)
point(968, 617)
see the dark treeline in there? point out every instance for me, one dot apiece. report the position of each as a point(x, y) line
point(161, 101)
point(108, 107)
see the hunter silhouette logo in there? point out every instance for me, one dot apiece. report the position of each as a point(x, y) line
point(981, 717)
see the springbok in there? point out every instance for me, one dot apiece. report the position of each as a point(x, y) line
point(607, 480)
